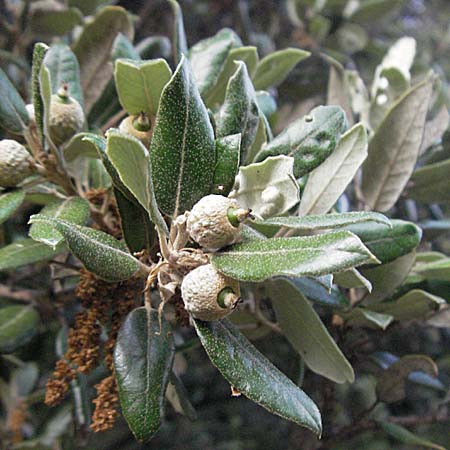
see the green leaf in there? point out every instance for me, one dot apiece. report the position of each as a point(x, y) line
point(239, 112)
point(439, 270)
point(405, 436)
point(72, 210)
point(100, 253)
point(138, 231)
point(361, 317)
point(351, 279)
point(338, 90)
point(394, 148)
point(143, 361)
point(41, 100)
point(124, 48)
point(132, 161)
point(435, 128)
point(305, 331)
point(93, 50)
point(9, 203)
point(335, 220)
point(13, 114)
point(248, 55)
point(267, 188)
point(316, 292)
point(386, 278)
point(98, 143)
point(46, 94)
point(227, 163)
point(64, 68)
point(54, 22)
point(182, 149)
point(431, 183)
point(370, 11)
point(266, 103)
point(79, 147)
point(208, 57)
point(252, 374)
point(386, 243)
point(416, 304)
point(310, 140)
point(296, 256)
point(392, 382)
point(25, 251)
point(88, 7)
point(384, 98)
point(180, 46)
point(18, 324)
point(140, 83)
point(328, 181)
point(263, 135)
point(274, 68)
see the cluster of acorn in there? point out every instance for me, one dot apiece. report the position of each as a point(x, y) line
point(213, 223)
point(66, 118)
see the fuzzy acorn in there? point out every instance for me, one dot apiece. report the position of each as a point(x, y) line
point(138, 126)
point(66, 116)
point(16, 164)
point(209, 295)
point(216, 221)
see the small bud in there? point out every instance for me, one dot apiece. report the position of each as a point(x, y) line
point(66, 116)
point(16, 163)
point(216, 221)
point(209, 295)
point(138, 126)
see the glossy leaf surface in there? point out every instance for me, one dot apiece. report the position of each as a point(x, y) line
point(143, 361)
point(18, 324)
point(252, 374)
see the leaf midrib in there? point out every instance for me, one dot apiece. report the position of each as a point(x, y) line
point(14, 319)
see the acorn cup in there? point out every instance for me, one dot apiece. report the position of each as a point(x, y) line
point(138, 126)
point(66, 116)
point(209, 295)
point(16, 163)
point(216, 221)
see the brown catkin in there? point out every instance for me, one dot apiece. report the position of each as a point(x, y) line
point(58, 385)
point(15, 421)
point(104, 304)
point(106, 403)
